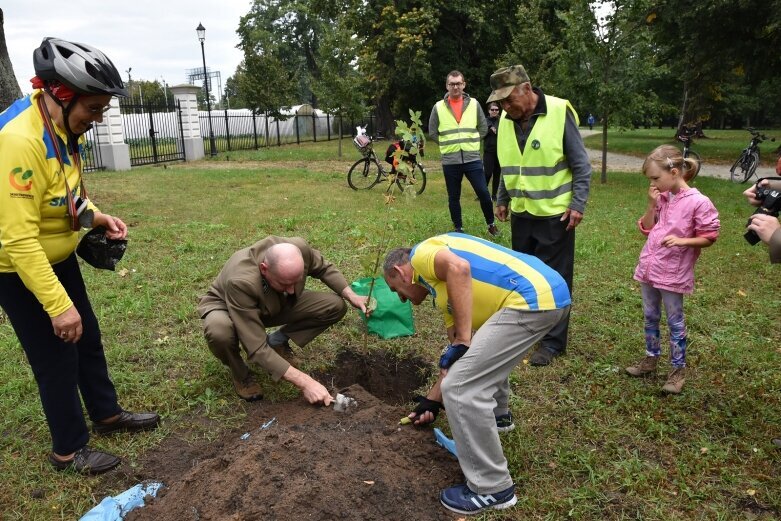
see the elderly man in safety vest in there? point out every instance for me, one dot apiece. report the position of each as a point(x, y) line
point(458, 124)
point(546, 176)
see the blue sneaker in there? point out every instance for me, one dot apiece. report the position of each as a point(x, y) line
point(504, 422)
point(462, 500)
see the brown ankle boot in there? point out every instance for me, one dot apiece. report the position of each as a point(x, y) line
point(644, 366)
point(675, 380)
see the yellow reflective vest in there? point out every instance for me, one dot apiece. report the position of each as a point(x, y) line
point(539, 180)
point(454, 136)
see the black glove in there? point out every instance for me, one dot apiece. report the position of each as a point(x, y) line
point(451, 354)
point(426, 405)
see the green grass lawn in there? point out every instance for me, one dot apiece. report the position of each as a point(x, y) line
point(590, 443)
point(719, 146)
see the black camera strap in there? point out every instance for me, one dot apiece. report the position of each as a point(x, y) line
point(74, 150)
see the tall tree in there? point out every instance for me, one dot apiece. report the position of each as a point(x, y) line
point(9, 87)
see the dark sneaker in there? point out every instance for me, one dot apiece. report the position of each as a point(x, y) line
point(128, 422)
point(493, 231)
point(462, 500)
point(248, 389)
point(87, 461)
point(542, 356)
point(458, 230)
point(504, 422)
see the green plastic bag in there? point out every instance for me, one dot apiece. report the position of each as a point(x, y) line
point(392, 317)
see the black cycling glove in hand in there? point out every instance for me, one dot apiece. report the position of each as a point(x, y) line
point(426, 405)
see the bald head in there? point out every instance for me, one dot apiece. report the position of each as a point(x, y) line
point(283, 267)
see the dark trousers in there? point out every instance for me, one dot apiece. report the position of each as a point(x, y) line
point(548, 240)
point(454, 175)
point(493, 171)
point(62, 370)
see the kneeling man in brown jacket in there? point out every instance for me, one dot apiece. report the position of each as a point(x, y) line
point(263, 286)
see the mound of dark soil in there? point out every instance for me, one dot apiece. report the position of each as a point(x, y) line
point(310, 463)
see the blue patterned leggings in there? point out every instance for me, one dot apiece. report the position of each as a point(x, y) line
point(652, 310)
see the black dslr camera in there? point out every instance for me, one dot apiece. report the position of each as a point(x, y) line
point(770, 204)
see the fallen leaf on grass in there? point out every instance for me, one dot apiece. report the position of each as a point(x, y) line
point(123, 272)
point(751, 492)
point(704, 450)
point(160, 341)
point(742, 293)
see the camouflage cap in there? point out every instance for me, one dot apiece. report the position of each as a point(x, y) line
point(504, 81)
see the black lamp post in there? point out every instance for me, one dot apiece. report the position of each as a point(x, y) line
point(201, 30)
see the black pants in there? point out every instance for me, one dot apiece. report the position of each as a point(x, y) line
point(493, 171)
point(62, 370)
point(548, 240)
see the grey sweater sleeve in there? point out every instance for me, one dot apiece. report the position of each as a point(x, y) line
point(577, 157)
point(482, 123)
point(433, 125)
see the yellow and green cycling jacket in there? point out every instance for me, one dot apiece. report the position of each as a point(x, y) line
point(34, 228)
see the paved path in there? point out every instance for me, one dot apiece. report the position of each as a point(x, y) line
point(624, 163)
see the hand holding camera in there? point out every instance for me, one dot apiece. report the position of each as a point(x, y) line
point(766, 194)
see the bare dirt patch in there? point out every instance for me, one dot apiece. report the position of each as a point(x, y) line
point(311, 462)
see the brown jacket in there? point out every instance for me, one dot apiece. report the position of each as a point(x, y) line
point(250, 301)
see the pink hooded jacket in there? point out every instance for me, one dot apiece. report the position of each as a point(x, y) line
point(690, 214)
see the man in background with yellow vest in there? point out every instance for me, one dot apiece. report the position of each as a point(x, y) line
point(458, 124)
point(545, 182)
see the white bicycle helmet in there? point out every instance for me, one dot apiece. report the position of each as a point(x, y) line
point(81, 67)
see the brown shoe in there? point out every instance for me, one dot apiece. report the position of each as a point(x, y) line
point(675, 380)
point(87, 461)
point(286, 352)
point(128, 422)
point(644, 366)
point(248, 389)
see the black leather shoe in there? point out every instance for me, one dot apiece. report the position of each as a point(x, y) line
point(128, 422)
point(87, 461)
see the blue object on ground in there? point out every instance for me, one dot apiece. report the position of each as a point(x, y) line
point(445, 442)
point(116, 508)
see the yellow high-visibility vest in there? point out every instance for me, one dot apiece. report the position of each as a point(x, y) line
point(457, 136)
point(539, 180)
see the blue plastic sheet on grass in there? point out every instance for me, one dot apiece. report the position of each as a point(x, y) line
point(116, 508)
point(445, 442)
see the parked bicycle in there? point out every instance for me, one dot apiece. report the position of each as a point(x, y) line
point(369, 171)
point(686, 136)
point(747, 163)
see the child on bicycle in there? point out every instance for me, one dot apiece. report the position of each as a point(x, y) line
point(679, 221)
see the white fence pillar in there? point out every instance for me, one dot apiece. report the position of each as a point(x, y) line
point(110, 133)
point(185, 94)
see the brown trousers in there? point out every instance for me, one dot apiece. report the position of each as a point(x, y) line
point(312, 313)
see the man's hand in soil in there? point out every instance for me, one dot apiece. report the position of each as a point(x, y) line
point(426, 411)
point(313, 391)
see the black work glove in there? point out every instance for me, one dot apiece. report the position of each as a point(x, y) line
point(426, 405)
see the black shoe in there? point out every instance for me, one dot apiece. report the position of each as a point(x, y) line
point(458, 230)
point(87, 461)
point(493, 231)
point(542, 356)
point(128, 422)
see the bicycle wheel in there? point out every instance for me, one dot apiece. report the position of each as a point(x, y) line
point(738, 171)
point(364, 174)
point(694, 155)
point(416, 181)
point(751, 165)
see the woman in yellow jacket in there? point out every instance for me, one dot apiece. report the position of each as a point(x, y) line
point(43, 205)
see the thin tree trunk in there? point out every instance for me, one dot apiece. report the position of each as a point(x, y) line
point(9, 87)
point(603, 175)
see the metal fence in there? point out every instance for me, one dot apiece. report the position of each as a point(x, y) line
point(153, 133)
point(91, 152)
point(243, 130)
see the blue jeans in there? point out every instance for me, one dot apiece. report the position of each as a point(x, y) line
point(473, 171)
point(653, 299)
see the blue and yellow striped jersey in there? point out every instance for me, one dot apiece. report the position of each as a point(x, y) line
point(501, 277)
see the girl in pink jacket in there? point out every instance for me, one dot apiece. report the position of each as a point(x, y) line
point(679, 221)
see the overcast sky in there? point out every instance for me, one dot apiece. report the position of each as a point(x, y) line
point(156, 38)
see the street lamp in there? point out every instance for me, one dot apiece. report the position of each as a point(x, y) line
point(201, 30)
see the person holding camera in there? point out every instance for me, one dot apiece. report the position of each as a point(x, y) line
point(510, 300)
point(43, 205)
point(679, 221)
point(766, 225)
